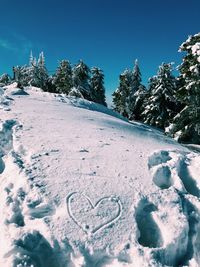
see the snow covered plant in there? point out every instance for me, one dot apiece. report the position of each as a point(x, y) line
point(186, 124)
point(79, 80)
point(161, 105)
point(169, 103)
point(35, 73)
point(128, 97)
point(5, 79)
point(63, 77)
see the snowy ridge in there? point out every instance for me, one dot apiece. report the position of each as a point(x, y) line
point(82, 103)
point(112, 194)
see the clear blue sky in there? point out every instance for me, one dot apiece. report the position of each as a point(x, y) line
point(110, 34)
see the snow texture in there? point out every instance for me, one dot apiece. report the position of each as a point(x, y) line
point(82, 187)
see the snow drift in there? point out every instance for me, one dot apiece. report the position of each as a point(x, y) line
point(82, 187)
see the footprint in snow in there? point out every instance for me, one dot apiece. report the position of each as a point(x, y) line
point(6, 136)
point(2, 166)
point(14, 206)
point(189, 182)
point(150, 234)
point(158, 158)
point(170, 168)
point(41, 211)
point(33, 250)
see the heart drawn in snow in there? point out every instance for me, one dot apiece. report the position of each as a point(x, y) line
point(90, 217)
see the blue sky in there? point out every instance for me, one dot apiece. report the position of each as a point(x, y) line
point(110, 34)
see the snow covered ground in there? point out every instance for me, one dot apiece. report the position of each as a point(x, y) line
point(81, 186)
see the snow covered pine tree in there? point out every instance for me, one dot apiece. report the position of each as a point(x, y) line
point(122, 93)
point(161, 105)
point(42, 73)
point(21, 76)
point(128, 97)
point(5, 79)
point(63, 77)
point(97, 86)
point(186, 124)
point(137, 94)
point(34, 74)
point(81, 76)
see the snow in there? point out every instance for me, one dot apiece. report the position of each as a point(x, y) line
point(82, 187)
point(195, 48)
point(196, 51)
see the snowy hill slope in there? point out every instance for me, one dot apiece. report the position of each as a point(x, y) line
point(82, 187)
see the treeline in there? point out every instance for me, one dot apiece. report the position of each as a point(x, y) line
point(78, 80)
point(169, 103)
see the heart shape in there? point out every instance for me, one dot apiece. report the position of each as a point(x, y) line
point(90, 217)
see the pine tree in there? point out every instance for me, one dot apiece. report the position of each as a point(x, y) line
point(186, 125)
point(41, 72)
point(74, 92)
point(121, 95)
point(5, 79)
point(63, 77)
point(50, 86)
point(97, 86)
point(161, 106)
point(136, 78)
point(138, 100)
point(21, 75)
point(35, 74)
point(32, 71)
point(31, 59)
point(81, 76)
point(137, 93)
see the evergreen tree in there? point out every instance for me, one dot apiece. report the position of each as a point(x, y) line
point(21, 75)
point(161, 106)
point(121, 95)
point(34, 74)
point(32, 71)
point(137, 93)
point(63, 77)
point(5, 79)
point(97, 86)
point(41, 72)
point(136, 78)
point(81, 76)
point(74, 92)
point(50, 86)
point(32, 60)
point(186, 125)
point(138, 101)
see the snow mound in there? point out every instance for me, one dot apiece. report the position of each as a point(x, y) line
point(83, 103)
point(12, 89)
point(83, 188)
point(18, 91)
